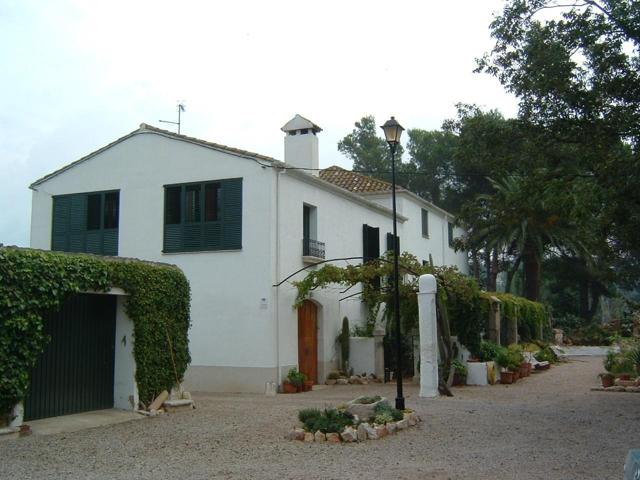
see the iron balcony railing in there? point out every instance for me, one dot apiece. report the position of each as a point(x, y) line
point(312, 248)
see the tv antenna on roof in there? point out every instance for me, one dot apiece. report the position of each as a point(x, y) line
point(181, 108)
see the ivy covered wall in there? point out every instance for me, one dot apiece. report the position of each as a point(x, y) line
point(33, 282)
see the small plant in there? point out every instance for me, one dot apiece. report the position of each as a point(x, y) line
point(343, 340)
point(367, 400)
point(384, 410)
point(333, 376)
point(328, 421)
point(546, 354)
point(459, 368)
point(296, 378)
point(308, 414)
point(488, 351)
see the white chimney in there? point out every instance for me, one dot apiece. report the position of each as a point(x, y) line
point(301, 143)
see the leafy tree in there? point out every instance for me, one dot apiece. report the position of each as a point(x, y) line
point(369, 151)
point(575, 66)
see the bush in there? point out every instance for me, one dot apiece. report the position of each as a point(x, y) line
point(385, 411)
point(296, 378)
point(328, 421)
point(488, 351)
point(460, 368)
point(546, 354)
point(308, 414)
point(367, 400)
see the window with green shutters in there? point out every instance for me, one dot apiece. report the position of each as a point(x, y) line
point(86, 222)
point(203, 216)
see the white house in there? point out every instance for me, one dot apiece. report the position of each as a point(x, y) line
point(236, 223)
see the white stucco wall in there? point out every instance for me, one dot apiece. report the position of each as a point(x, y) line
point(239, 321)
point(125, 388)
point(229, 318)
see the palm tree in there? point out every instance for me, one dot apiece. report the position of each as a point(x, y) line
point(525, 217)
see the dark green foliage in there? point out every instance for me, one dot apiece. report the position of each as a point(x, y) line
point(383, 413)
point(488, 351)
point(367, 400)
point(546, 354)
point(344, 344)
point(328, 421)
point(462, 298)
point(33, 282)
point(308, 414)
point(295, 377)
point(460, 368)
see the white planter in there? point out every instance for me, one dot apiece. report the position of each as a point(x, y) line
point(481, 373)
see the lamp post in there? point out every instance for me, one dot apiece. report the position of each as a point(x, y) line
point(392, 132)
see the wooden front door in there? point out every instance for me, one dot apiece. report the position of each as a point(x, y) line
point(308, 340)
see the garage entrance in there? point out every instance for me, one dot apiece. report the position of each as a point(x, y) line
point(75, 372)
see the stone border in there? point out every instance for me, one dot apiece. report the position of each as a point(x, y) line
point(616, 388)
point(364, 431)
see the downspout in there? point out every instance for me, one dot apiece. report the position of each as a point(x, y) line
point(445, 238)
point(277, 259)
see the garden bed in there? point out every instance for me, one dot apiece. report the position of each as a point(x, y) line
point(338, 425)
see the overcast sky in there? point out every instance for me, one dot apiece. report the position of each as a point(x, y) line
point(78, 74)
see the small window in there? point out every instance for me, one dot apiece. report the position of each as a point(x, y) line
point(425, 223)
point(111, 210)
point(450, 225)
point(93, 211)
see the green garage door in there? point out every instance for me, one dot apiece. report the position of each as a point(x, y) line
point(75, 371)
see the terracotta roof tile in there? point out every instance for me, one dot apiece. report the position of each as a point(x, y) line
point(353, 181)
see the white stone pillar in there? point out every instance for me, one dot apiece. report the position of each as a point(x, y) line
point(428, 336)
point(378, 335)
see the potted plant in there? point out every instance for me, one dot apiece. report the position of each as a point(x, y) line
point(607, 379)
point(504, 360)
point(295, 381)
point(459, 373)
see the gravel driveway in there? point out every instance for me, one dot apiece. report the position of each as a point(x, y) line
point(548, 426)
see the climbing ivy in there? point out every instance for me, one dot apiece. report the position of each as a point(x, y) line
point(33, 282)
point(466, 306)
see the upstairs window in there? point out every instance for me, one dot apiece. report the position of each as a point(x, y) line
point(425, 223)
point(390, 242)
point(86, 222)
point(204, 216)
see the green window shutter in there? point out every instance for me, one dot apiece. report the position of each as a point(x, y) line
point(390, 242)
point(78, 223)
point(232, 214)
point(60, 227)
point(425, 223)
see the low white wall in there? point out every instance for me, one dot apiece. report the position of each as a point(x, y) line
point(362, 355)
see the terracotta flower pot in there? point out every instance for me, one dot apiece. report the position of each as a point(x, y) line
point(308, 385)
point(522, 371)
point(624, 376)
point(516, 375)
point(607, 380)
point(506, 378)
point(459, 379)
point(288, 387)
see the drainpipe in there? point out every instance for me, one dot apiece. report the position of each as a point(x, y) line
point(277, 259)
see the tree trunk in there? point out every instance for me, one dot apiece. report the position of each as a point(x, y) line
point(532, 266)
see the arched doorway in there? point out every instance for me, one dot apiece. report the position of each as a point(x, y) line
point(308, 340)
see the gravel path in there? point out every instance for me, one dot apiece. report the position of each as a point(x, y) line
point(548, 426)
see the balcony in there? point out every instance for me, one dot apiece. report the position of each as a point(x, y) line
point(312, 251)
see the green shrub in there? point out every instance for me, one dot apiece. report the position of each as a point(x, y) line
point(385, 409)
point(33, 282)
point(296, 378)
point(308, 414)
point(328, 421)
point(460, 368)
point(367, 400)
point(333, 375)
point(546, 354)
point(488, 351)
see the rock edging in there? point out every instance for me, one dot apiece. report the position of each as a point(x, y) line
point(353, 434)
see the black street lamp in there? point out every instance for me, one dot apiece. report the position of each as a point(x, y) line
point(392, 132)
